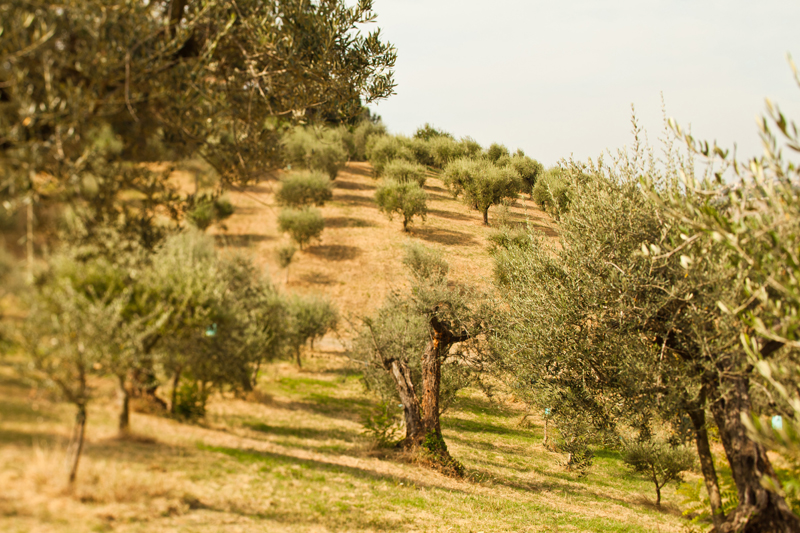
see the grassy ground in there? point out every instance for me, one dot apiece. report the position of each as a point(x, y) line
point(292, 457)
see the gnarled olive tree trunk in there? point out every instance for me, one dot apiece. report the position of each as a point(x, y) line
point(760, 510)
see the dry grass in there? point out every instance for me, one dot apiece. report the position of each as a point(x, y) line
point(359, 258)
point(291, 456)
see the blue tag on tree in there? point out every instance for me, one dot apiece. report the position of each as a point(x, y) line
point(777, 422)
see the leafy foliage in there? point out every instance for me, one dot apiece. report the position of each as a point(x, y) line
point(424, 263)
point(305, 188)
point(207, 210)
point(481, 183)
point(311, 317)
point(659, 462)
point(86, 98)
point(407, 199)
point(383, 149)
point(551, 192)
point(302, 225)
point(405, 171)
point(317, 149)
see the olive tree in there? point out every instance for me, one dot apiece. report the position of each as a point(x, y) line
point(481, 183)
point(755, 221)
point(385, 148)
point(405, 171)
point(305, 188)
point(659, 462)
point(409, 350)
point(87, 97)
point(302, 225)
point(622, 321)
point(314, 148)
point(225, 319)
point(407, 199)
point(310, 318)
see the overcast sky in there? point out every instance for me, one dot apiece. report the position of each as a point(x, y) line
point(557, 78)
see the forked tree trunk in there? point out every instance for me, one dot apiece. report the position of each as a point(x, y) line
point(77, 441)
point(124, 412)
point(412, 411)
point(698, 417)
point(436, 350)
point(760, 510)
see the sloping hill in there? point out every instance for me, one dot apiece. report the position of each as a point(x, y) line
point(359, 257)
point(292, 456)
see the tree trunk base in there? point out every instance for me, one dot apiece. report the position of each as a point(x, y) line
point(776, 518)
point(430, 450)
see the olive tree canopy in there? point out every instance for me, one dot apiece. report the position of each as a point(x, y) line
point(90, 89)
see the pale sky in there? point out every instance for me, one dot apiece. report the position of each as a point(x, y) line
point(557, 78)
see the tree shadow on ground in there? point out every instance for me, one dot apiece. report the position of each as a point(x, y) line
point(241, 240)
point(448, 214)
point(473, 426)
point(348, 222)
point(249, 210)
point(353, 186)
point(30, 438)
point(334, 252)
point(444, 236)
point(340, 408)
point(315, 278)
point(302, 432)
point(437, 189)
point(355, 200)
point(273, 459)
point(359, 170)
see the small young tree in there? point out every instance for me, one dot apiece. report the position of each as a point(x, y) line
point(80, 325)
point(659, 462)
point(302, 225)
point(496, 151)
point(481, 183)
point(445, 150)
point(406, 199)
point(315, 148)
point(428, 132)
point(285, 254)
point(362, 134)
point(405, 171)
point(206, 210)
point(383, 149)
point(311, 318)
point(551, 192)
point(528, 169)
point(305, 188)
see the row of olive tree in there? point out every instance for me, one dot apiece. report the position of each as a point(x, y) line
point(185, 313)
point(483, 178)
point(667, 301)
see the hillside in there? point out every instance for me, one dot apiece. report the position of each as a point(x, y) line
point(292, 456)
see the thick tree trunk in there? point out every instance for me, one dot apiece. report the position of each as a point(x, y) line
point(431, 383)
point(408, 397)
point(486, 217)
point(759, 510)
point(77, 440)
point(124, 412)
point(698, 417)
